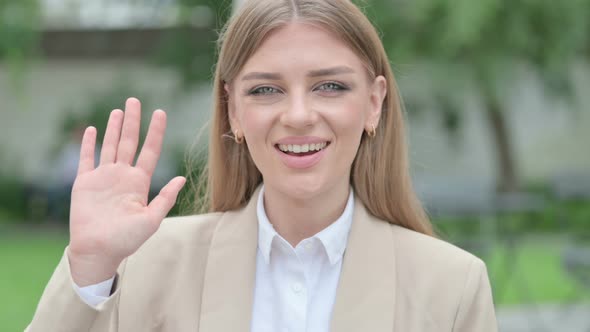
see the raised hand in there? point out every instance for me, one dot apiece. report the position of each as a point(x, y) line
point(110, 216)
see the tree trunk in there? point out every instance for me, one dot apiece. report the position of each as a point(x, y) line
point(507, 177)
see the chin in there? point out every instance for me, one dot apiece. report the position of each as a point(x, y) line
point(302, 187)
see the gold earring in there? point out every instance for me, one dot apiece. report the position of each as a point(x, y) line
point(371, 133)
point(237, 138)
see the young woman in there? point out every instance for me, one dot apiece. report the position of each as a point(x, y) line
point(313, 223)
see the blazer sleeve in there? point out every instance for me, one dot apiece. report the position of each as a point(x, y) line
point(61, 308)
point(476, 309)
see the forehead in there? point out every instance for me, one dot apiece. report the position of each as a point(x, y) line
point(301, 46)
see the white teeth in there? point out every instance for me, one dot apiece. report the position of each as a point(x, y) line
point(295, 148)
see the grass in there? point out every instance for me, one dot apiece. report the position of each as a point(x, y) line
point(533, 273)
point(28, 259)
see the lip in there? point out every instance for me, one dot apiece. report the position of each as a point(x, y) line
point(301, 162)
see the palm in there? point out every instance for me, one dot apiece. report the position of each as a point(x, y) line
point(110, 215)
point(122, 204)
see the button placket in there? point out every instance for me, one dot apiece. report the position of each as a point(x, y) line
point(296, 288)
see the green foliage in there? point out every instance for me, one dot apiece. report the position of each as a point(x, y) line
point(19, 34)
point(18, 28)
point(190, 51)
point(544, 32)
point(489, 37)
point(12, 190)
point(13, 202)
point(191, 197)
point(555, 217)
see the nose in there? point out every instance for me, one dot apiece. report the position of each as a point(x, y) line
point(298, 113)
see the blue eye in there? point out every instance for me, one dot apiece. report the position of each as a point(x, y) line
point(263, 90)
point(331, 86)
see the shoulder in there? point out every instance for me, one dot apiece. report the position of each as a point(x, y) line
point(442, 282)
point(429, 251)
point(433, 273)
point(424, 257)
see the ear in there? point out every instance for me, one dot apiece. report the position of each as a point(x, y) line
point(377, 96)
point(231, 109)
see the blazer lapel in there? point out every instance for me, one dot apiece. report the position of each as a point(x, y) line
point(365, 299)
point(228, 289)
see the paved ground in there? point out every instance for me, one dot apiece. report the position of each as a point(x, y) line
point(545, 318)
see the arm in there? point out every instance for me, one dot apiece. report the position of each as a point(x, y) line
point(62, 309)
point(110, 218)
point(476, 309)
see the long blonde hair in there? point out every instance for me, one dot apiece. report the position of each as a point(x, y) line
point(380, 172)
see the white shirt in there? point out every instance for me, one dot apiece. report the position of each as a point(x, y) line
point(295, 288)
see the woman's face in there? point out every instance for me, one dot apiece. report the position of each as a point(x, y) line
point(302, 102)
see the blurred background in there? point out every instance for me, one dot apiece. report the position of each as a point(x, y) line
point(496, 94)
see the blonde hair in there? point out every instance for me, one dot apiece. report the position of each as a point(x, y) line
point(380, 172)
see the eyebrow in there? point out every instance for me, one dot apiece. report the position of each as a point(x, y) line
point(261, 76)
point(331, 71)
point(314, 73)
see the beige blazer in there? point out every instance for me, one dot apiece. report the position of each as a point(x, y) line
point(197, 273)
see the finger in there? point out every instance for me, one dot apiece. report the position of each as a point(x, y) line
point(110, 143)
point(130, 132)
point(86, 163)
point(161, 204)
point(150, 152)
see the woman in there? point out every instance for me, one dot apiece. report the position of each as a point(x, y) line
point(313, 226)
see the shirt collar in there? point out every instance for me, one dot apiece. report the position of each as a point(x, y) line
point(334, 237)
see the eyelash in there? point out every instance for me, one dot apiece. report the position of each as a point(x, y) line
point(257, 91)
point(335, 86)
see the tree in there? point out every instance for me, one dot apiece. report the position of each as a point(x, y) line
point(19, 34)
point(193, 56)
point(487, 39)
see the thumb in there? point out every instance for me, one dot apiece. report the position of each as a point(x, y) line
point(161, 204)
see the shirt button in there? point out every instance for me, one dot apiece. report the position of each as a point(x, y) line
point(297, 287)
point(308, 246)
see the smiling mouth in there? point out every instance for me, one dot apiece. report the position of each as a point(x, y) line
point(301, 150)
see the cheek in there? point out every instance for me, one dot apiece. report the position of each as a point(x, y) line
point(255, 120)
point(346, 118)
point(257, 124)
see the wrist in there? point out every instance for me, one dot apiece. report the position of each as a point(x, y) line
point(91, 269)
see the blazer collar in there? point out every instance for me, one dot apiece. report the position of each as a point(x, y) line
point(228, 289)
point(365, 299)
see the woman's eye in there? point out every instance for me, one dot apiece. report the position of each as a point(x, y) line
point(263, 90)
point(331, 86)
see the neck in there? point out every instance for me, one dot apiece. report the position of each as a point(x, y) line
point(296, 219)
